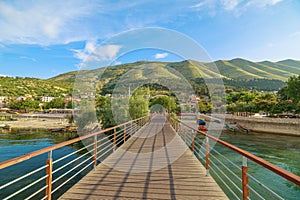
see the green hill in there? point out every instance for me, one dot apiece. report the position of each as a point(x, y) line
point(230, 69)
point(17, 86)
point(238, 72)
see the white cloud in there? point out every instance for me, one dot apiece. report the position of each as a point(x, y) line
point(160, 55)
point(262, 3)
point(201, 4)
point(230, 4)
point(118, 63)
point(295, 35)
point(28, 58)
point(41, 22)
point(233, 5)
point(94, 52)
point(2, 75)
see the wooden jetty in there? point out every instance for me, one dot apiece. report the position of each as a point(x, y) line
point(153, 164)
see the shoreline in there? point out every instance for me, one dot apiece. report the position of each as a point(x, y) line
point(34, 124)
point(276, 126)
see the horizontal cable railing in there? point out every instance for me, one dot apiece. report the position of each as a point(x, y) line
point(62, 166)
point(233, 178)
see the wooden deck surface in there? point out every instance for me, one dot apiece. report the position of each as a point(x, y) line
point(153, 164)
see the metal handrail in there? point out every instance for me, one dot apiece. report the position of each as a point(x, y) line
point(19, 159)
point(183, 128)
point(97, 148)
point(281, 172)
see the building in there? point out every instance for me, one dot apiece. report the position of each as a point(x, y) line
point(47, 99)
point(2, 98)
point(22, 98)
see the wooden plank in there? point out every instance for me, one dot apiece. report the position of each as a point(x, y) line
point(182, 178)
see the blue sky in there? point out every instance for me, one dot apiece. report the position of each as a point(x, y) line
point(43, 39)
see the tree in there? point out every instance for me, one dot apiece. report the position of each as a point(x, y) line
point(165, 101)
point(56, 103)
point(248, 97)
point(27, 104)
point(104, 112)
point(293, 89)
point(266, 102)
point(139, 103)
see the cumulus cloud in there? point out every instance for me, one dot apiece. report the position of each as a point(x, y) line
point(160, 55)
point(94, 52)
point(41, 22)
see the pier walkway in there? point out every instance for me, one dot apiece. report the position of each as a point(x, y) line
point(153, 164)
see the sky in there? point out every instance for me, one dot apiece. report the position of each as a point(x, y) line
point(40, 38)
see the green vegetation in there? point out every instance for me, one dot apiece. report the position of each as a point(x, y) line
point(139, 103)
point(239, 77)
point(14, 87)
point(59, 103)
point(265, 76)
point(166, 103)
point(287, 100)
point(138, 107)
point(27, 105)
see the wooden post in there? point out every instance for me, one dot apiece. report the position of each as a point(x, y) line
point(95, 151)
point(49, 177)
point(246, 193)
point(207, 162)
point(115, 138)
point(124, 133)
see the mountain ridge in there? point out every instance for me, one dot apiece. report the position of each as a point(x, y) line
point(237, 68)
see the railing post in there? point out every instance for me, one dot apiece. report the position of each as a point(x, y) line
point(49, 176)
point(207, 162)
point(246, 193)
point(131, 130)
point(124, 133)
point(115, 139)
point(193, 141)
point(95, 151)
point(185, 135)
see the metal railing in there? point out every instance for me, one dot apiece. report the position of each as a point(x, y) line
point(234, 178)
point(62, 168)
